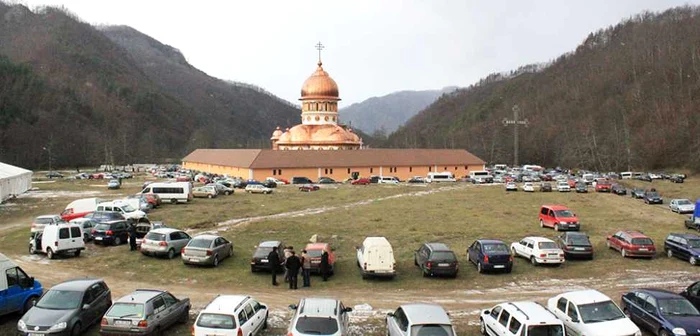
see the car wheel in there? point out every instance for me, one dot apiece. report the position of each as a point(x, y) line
point(227, 193)
point(216, 260)
point(265, 323)
point(482, 327)
point(117, 241)
point(512, 249)
point(479, 268)
point(76, 330)
point(533, 261)
point(693, 261)
point(77, 253)
point(173, 201)
point(607, 243)
point(32, 249)
point(541, 223)
point(415, 261)
point(171, 253)
point(627, 313)
point(209, 196)
point(28, 305)
point(556, 227)
point(669, 253)
point(664, 333)
point(185, 316)
point(86, 238)
point(623, 252)
point(49, 253)
point(252, 269)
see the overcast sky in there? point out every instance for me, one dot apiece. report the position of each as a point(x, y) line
point(372, 47)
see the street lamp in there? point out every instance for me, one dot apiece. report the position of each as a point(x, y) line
point(48, 150)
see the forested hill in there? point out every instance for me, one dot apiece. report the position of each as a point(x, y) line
point(114, 95)
point(628, 96)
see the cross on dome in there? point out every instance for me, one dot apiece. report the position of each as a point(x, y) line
point(319, 47)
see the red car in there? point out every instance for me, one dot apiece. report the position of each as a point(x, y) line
point(572, 183)
point(558, 217)
point(309, 187)
point(182, 179)
point(603, 185)
point(153, 199)
point(315, 250)
point(361, 181)
point(632, 244)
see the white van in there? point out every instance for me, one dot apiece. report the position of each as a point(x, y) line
point(441, 177)
point(376, 258)
point(480, 176)
point(626, 175)
point(519, 318)
point(173, 192)
point(80, 207)
point(63, 239)
point(388, 180)
point(129, 212)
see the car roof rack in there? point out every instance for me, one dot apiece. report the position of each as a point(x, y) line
point(520, 310)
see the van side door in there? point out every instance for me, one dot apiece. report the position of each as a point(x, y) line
point(63, 241)
point(12, 297)
point(397, 323)
point(76, 237)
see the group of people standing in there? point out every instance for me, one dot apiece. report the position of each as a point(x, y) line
point(293, 265)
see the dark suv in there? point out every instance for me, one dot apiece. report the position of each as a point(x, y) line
point(111, 233)
point(685, 246)
point(301, 180)
point(259, 260)
point(436, 259)
point(575, 245)
point(652, 196)
point(490, 254)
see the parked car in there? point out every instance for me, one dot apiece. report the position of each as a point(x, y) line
point(618, 189)
point(417, 179)
point(130, 212)
point(316, 316)
point(375, 258)
point(257, 189)
point(86, 225)
point(661, 312)
point(309, 187)
point(692, 223)
point(538, 250)
point(54, 174)
point(301, 180)
point(590, 312)
point(575, 245)
point(374, 179)
point(39, 223)
point(563, 187)
point(361, 181)
point(142, 201)
point(632, 244)
point(105, 216)
point(388, 180)
point(277, 181)
point(221, 189)
point(68, 308)
point(230, 315)
point(269, 184)
point(517, 318)
point(511, 186)
point(143, 228)
point(114, 184)
point(164, 242)
point(528, 186)
point(581, 187)
point(20, 291)
point(692, 293)
point(419, 319)
point(80, 207)
point(145, 312)
point(260, 261)
point(314, 250)
point(652, 196)
point(59, 239)
point(682, 206)
point(436, 259)
point(206, 249)
point(685, 246)
point(111, 233)
point(490, 254)
point(326, 180)
point(603, 185)
point(546, 187)
point(558, 217)
point(204, 192)
point(637, 193)
point(677, 178)
point(644, 177)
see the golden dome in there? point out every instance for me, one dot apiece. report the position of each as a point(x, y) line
point(276, 134)
point(320, 86)
point(328, 134)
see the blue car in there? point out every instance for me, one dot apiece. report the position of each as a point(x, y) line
point(490, 255)
point(18, 291)
point(661, 312)
point(684, 246)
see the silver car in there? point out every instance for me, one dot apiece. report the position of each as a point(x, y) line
point(206, 250)
point(145, 312)
point(682, 206)
point(319, 317)
point(419, 319)
point(164, 242)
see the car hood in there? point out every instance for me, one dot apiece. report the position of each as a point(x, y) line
point(567, 219)
point(695, 251)
point(621, 327)
point(47, 317)
point(691, 324)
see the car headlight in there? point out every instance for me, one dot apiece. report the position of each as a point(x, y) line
point(678, 331)
point(58, 326)
point(21, 325)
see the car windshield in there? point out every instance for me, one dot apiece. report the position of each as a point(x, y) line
point(43, 221)
point(200, 242)
point(694, 243)
point(545, 330)
point(216, 321)
point(495, 248)
point(123, 310)
point(431, 330)
point(60, 299)
point(652, 194)
point(262, 251)
point(677, 307)
point(444, 255)
point(317, 325)
point(600, 312)
point(684, 202)
point(314, 253)
point(563, 184)
point(579, 240)
point(547, 245)
point(155, 236)
point(128, 208)
point(563, 213)
point(642, 241)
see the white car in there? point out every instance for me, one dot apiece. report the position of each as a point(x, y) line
point(511, 186)
point(538, 250)
point(529, 187)
point(319, 317)
point(591, 313)
point(517, 318)
point(419, 319)
point(376, 258)
point(231, 315)
point(563, 186)
point(682, 206)
point(276, 181)
point(257, 189)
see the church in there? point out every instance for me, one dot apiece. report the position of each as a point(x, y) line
point(322, 146)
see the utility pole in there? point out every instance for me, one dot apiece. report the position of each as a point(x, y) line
point(516, 123)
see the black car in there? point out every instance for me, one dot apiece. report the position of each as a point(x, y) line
point(326, 180)
point(269, 184)
point(436, 259)
point(416, 179)
point(111, 233)
point(661, 312)
point(644, 177)
point(105, 216)
point(374, 179)
point(652, 197)
point(637, 193)
point(301, 180)
point(69, 308)
point(618, 189)
point(581, 187)
point(546, 187)
point(54, 174)
point(575, 245)
point(677, 178)
point(685, 246)
point(240, 184)
point(260, 262)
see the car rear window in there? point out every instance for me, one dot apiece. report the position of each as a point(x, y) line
point(155, 236)
point(496, 248)
point(216, 321)
point(579, 240)
point(547, 245)
point(545, 330)
point(102, 227)
point(652, 194)
point(642, 241)
point(314, 253)
point(43, 221)
point(431, 330)
point(124, 310)
point(202, 243)
point(317, 325)
point(444, 255)
point(262, 251)
point(143, 228)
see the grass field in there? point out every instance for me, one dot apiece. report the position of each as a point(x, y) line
point(408, 216)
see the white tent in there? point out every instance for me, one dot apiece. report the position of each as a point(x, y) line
point(13, 181)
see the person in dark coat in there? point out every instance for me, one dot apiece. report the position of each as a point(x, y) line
point(273, 259)
point(132, 237)
point(325, 267)
point(293, 265)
